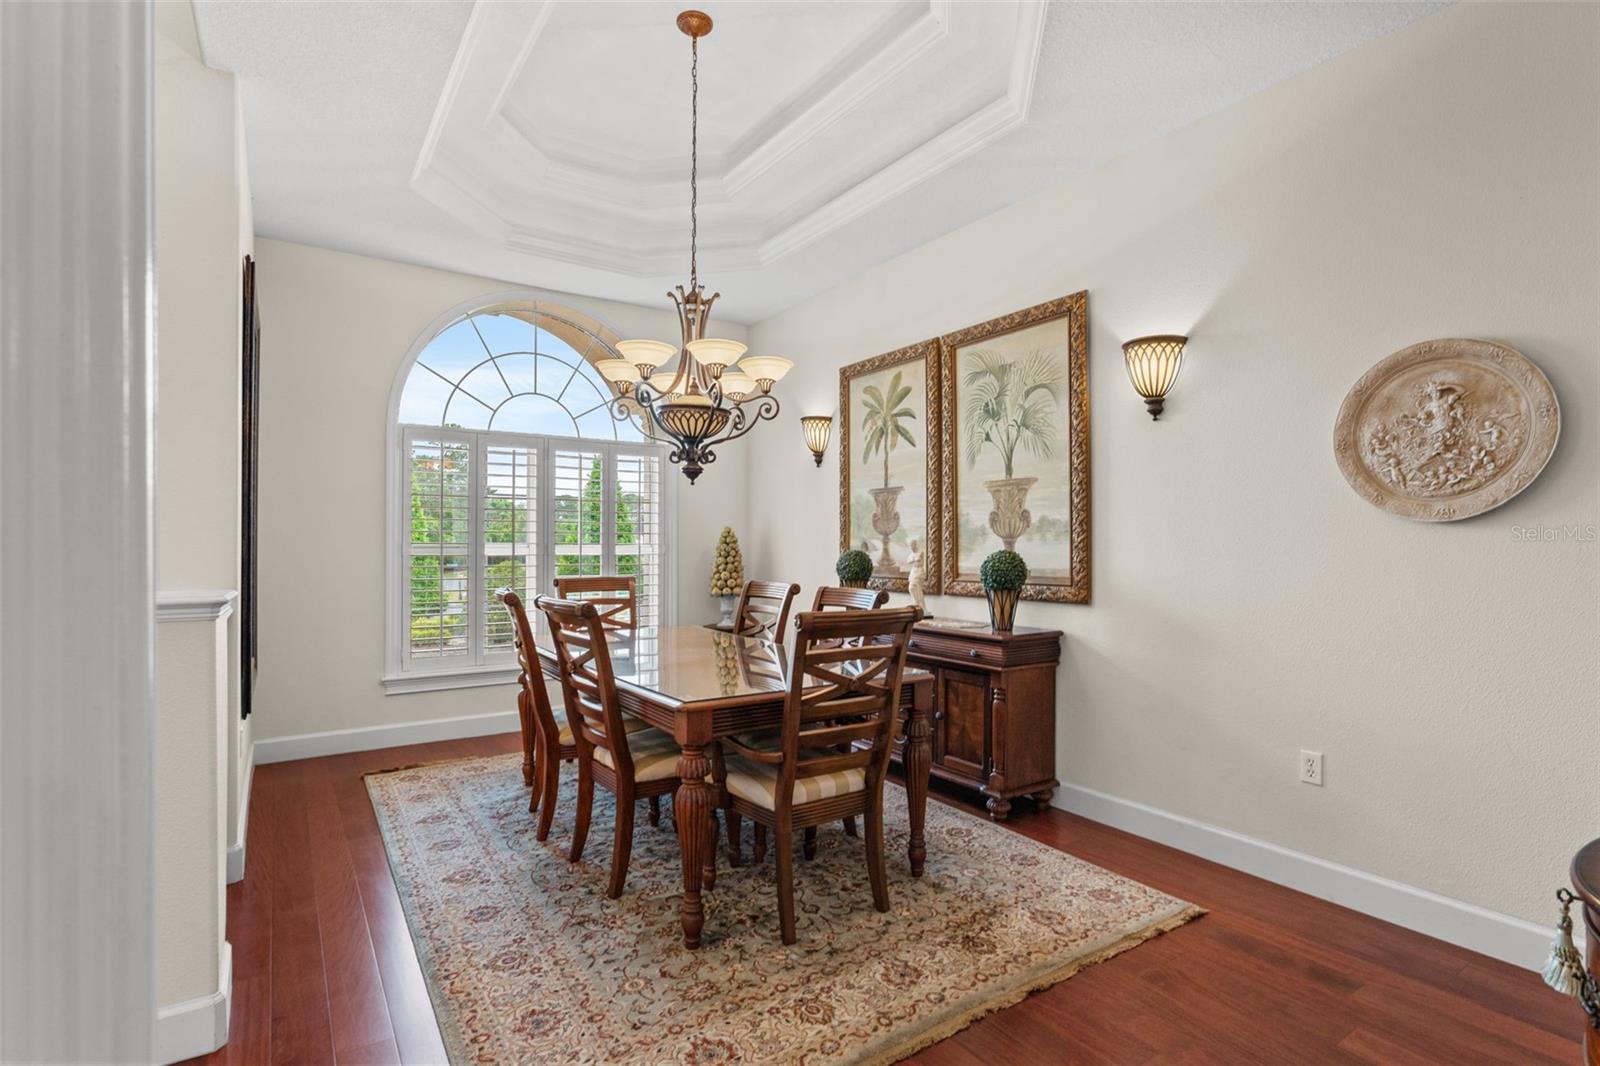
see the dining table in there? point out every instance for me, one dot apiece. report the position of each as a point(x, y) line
point(699, 685)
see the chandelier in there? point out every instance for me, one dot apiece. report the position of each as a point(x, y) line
point(717, 393)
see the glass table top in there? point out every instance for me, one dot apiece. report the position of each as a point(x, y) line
point(693, 664)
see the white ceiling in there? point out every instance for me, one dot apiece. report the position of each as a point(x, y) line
point(546, 143)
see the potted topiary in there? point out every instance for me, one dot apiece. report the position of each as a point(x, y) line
point(854, 568)
point(727, 575)
point(1003, 575)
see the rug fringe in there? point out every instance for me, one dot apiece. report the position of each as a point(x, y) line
point(945, 1030)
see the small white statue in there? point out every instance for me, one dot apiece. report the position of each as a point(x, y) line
point(914, 575)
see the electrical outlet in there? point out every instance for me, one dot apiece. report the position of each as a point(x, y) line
point(1311, 767)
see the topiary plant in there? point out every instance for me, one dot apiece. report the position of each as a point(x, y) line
point(854, 567)
point(727, 570)
point(1003, 571)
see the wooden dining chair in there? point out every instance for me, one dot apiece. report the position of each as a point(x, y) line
point(763, 609)
point(848, 599)
point(632, 764)
point(838, 598)
point(547, 739)
point(614, 597)
point(830, 758)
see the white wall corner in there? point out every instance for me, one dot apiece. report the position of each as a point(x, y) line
point(235, 858)
point(1501, 936)
point(194, 605)
point(197, 1026)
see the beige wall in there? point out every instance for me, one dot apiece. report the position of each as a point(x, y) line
point(203, 228)
point(1440, 182)
point(336, 329)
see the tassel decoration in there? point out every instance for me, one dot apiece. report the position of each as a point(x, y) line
point(1564, 969)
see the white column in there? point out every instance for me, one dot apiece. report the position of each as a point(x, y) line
point(76, 599)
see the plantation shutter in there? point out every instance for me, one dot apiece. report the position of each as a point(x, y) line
point(636, 528)
point(510, 537)
point(440, 558)
point(577, 509)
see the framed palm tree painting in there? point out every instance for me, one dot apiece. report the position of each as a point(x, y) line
point(1015, 449)
point(888, 462)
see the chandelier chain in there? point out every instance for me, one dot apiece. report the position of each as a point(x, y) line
point(694, 165)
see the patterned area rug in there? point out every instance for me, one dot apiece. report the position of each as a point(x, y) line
point(527, 961)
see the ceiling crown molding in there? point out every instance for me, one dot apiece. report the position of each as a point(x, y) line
point(812, 162)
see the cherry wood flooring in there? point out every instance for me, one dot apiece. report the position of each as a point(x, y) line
point(324, 970)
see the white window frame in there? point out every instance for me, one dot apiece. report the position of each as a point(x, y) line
point(485, 667)
point(400, 675)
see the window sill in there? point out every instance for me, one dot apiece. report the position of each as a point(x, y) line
point(441, 680)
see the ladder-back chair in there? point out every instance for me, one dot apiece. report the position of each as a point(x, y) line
point(764, 609)
point(637, 764)
point(547, 740)
point(829, 760)
point(848, 599)
point(614, 597)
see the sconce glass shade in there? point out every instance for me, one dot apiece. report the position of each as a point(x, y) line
point(767, 370)
point(817, 429)
point(1153, 364)
point(646, 353)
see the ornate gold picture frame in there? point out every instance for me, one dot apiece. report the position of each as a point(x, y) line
point(1014, 449)
point(890, 429)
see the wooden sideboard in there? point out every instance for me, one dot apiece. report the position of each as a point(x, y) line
point(1586, 882)
point(994, 711)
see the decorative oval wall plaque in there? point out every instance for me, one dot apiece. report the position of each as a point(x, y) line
point(1446, 429)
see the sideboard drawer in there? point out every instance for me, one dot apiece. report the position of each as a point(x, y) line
point(955, 651)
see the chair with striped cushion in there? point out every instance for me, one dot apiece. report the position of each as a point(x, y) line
point(547, 740)
point(764, 609)
point(632, 763)
point(848, 599)
point(829, 761)
point(614, 597)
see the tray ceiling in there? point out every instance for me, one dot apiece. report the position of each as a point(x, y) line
point(547, 143)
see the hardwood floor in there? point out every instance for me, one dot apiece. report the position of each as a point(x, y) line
point(324, 970)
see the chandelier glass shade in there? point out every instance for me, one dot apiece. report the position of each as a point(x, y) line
point(714, 393)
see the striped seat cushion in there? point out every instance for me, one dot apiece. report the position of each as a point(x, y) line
point(655, 755)
point(758, 783)
point(631, 724)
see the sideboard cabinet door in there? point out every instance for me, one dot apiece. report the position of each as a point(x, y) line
point(961, 733)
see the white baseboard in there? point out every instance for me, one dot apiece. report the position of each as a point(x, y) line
point(340, 741)
point(197, 1026)
point(1467, 925)
point(236, 849)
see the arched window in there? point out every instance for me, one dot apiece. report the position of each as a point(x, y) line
point(510, 470)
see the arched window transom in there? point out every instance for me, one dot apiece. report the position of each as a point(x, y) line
point(511, 471)
point(514, 371)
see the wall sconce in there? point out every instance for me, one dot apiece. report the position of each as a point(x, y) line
point(1153, 364)
point(817, 428)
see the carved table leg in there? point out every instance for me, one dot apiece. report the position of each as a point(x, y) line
point(918, 760)
point(999, 808)
point(691, 810)
point(1042, 798)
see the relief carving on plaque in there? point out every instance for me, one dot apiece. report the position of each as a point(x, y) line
point(1446, 429)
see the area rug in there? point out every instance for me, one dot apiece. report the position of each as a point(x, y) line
point(527, 961)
